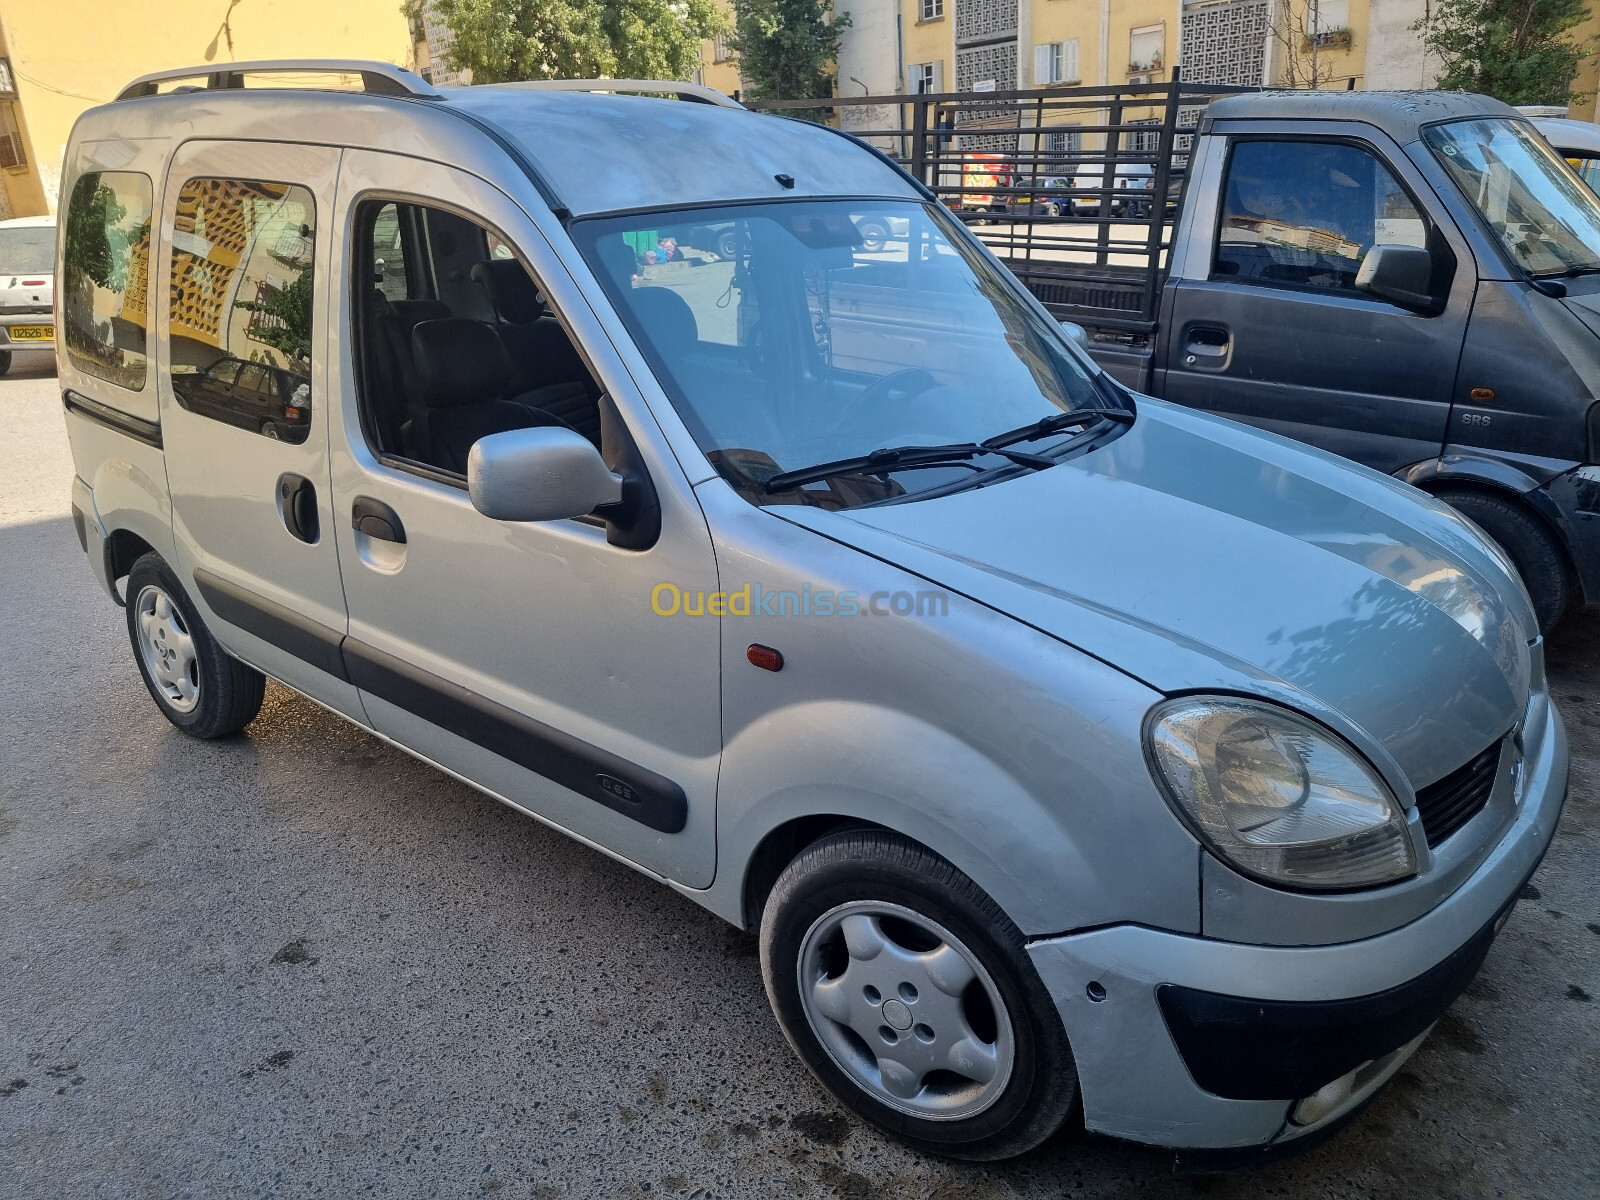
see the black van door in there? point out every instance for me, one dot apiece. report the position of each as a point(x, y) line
point(1278, 336)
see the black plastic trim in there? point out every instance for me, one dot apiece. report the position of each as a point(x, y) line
point(308, 640)
point(82, 529)
point(603, 777)
point(126, 424)
point(1246, 1049)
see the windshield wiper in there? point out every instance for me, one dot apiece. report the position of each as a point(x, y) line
point(899, 458)
point(1571, 272)
point(1055, 423)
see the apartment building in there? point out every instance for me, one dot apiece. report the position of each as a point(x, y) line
point(960, 45)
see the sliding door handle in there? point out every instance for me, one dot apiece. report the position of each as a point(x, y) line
point(297, 506)
point(377, 520)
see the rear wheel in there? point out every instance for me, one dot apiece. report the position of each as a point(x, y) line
point(196, 684)
point(5, 361)
point(908, 993)
point(1528, 543)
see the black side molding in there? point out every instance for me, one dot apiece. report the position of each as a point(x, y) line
point(625, 787)
point(126, 424)
point(308, 640)
point(603, 777)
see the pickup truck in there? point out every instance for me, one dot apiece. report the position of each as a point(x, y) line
point(1407, 279)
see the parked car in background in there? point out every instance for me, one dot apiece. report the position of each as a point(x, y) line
point(257, 396)
point(27, 286)
point(1576, 141)
point(1068, 750)
point(1089, 190)
point(1044, 195)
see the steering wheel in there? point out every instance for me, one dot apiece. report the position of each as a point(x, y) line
point(894, 387)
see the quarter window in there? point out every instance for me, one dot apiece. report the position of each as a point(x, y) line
point(106, 266)
point(1304, 214)
point(239, 304)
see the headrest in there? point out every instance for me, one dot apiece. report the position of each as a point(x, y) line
point(458, 362)
point(409, 313)
point(666, 316)
point(511, 290)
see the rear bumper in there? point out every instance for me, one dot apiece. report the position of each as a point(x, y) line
point(8, 320)
point(1203, 1045)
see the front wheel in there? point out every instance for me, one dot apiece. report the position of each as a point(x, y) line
point(197, 685)
point(1528, 543)
point(908, 993)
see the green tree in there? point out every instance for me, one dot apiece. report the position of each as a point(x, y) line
point(1514, 50)
point(291, 337)
point(788, 49)
point(94, 245)
point(503, 41)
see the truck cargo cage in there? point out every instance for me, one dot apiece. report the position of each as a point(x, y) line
point(1075, 189)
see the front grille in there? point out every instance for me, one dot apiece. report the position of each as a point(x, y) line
point(1450, 803)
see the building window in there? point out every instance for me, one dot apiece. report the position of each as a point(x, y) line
point(926, 78)
point(1145, 141)
point(1056, 62)
point(11, 152)
point(931, 10)
point(1064, 141)
point(721, 52)
point(1144, 49)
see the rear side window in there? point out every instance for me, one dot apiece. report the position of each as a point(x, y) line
point(1303, 214)
point(239, 304)
point(106, 262)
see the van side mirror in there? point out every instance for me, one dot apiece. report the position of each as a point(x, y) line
point(1402, 275)
point(546, 474)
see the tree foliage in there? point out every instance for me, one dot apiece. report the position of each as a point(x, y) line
point(290, 335)
point(94, 244)
point(1514, 50)
point(503, 41)
point(787, 48)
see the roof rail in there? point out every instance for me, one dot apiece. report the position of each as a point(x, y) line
point(379, 78)
point(694, 92)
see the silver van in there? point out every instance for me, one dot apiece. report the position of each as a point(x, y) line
point(692, 481)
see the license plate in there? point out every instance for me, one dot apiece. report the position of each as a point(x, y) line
point(32, 333)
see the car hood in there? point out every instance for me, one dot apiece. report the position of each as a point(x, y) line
point(1196, 554)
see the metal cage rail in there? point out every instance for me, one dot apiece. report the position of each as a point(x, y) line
point(1075, 189)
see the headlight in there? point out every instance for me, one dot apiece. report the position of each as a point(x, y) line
point(1278, 796)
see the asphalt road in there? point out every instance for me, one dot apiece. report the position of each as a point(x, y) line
point(298, 963)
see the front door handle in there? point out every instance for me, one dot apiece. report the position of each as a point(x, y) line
point(1207, 347)
point(377, 520)
point(297, 506)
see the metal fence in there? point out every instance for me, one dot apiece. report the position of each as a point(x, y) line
point(1076, 189)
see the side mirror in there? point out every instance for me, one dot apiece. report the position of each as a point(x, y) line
point(544, 474)
point(1399, 274)
point(1076, 333)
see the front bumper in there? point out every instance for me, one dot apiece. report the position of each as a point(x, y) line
point(1200, 1044)
point(1576, 496)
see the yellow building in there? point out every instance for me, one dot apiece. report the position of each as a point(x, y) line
point(64, 56)
point(954, 45)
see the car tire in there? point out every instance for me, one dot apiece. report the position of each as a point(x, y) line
point(197, 685)
point(873, 236)
point(857, 930)
point(1528, 543)
point(269, 430)
point(728, 245)
point(5, 362)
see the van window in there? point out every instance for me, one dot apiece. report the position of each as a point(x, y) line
point(106, 262)
point(1304, 213)
point(239, 295)
point(456, 340)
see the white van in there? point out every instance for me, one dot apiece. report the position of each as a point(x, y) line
point(1062, 745)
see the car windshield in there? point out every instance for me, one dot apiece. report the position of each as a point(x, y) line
point(28, 250)
point(797, 333)
point(1542, 213)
